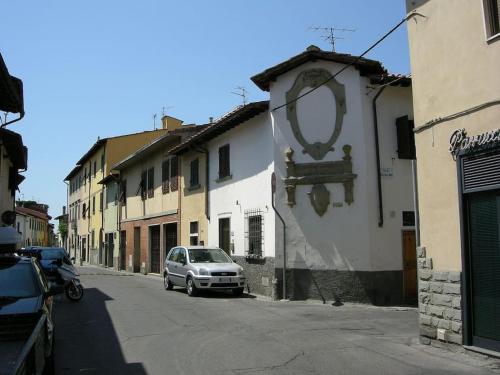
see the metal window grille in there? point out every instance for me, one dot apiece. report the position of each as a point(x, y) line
point(254, 234)
point(193, 233)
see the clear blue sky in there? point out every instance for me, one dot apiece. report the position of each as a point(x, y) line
point(102, 68)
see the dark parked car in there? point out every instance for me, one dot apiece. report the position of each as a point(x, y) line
point(26, 324)
point(46, 256)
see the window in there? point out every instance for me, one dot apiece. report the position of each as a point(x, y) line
point(492, 17)
point(85, 177)
point(93, 205)
point(95, 167)
point(123, 192)
point(151, 182)
point(408, 218)
point(193, 233)
point(142, 185)
point(194, 176)
point(84, 210)
point(100, 201)
point(406, 138)
point(102, 162)
point(78, 211)
point(174, 172)
point(165, 174)
point(181, 256)
point(225, 234)
point(254, 236)
point(93, 239)
point(224, 167)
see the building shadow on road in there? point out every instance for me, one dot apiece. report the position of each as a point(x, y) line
point(86, 341)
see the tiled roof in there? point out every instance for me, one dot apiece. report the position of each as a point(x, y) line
point(223, 124)
point(34, 213)
point(366, 67)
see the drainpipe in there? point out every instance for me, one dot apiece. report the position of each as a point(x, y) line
point(273, 191)
point(415, 201)
point(377, 157)
point(21, 115)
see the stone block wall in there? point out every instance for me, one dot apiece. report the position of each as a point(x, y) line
point(439, 300)
point(260, 274)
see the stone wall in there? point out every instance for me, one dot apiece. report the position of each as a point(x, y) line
point(439, 299)
point(260, 274)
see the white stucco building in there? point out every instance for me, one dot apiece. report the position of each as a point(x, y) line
point(342, 160)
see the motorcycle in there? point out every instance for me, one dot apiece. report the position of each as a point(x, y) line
point(67, 276)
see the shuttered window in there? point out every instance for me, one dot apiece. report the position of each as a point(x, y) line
point(481, 172)
point(143, 185)
point(224, 165)
point(492, 15)
point(194, 178)
point(406, 138)
point(165, 176)
point(123, 192)
point(151, 182)
point(484, 253)
point(174, 173)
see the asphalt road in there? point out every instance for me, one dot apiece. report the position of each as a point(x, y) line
point(130, 325)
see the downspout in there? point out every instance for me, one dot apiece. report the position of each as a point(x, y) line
point(415, 201)
point(273, 191)
point(69, 220)
point(377, 157)
point(21, 116)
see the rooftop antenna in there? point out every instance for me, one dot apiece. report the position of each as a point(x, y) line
point(163, 109)
point(328, 34)
point(241, 92)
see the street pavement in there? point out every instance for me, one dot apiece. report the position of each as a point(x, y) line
point(128, 324)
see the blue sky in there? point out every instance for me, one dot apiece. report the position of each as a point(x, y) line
point(102, 68)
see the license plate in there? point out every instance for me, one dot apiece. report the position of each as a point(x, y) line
point(224, 279)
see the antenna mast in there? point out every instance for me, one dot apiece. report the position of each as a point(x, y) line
point(328, 34)
point(241, 92)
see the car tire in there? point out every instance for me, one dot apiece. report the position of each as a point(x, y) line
point(191, 288)
point(167, 283)
point(238, 291)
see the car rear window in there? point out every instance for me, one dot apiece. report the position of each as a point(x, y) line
point(18, 280)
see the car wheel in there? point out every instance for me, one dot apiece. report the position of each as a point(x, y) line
point(167, 283)
point(238, 291)
point(191, 288)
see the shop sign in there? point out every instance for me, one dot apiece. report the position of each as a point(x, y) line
point(460, 142)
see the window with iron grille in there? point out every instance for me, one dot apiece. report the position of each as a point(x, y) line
point(224, 165)
point(194, 177)
point(254, 234)
point(165, 174)
point(142, 185)
point(151, 182)
point(100, 201)
point(492, 17)
point(408, 218)
point(193, 233)
point(174, 173)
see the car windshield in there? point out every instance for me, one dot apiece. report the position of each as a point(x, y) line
point(17, 280)
point(52, 254)
point(208, 256)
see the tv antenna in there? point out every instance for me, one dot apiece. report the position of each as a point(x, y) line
point(241, 91)
point(329, 34)
point(165, 108)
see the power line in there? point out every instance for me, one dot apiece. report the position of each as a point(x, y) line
point(329, 34)
point(350, 64)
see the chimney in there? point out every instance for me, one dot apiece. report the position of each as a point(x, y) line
point(170, 123)
point(210, 120)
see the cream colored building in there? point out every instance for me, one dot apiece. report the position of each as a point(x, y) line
point(86, 196)
point(455, 59)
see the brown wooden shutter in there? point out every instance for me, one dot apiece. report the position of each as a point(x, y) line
point(165, 173)
point(174, 173)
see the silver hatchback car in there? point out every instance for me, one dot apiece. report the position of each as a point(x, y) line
point(199, 267)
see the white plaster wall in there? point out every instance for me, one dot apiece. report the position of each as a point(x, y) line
point(251, 168)
point(21, 227)
point(344, 237)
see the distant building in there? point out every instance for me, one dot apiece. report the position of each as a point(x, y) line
point(33, 226)
point(62, 236)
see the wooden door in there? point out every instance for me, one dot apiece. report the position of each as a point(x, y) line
point(225, 235)
point(137, 249)
point(410, 266)
point(123, 252)
point(170, 238)
point(154, 242)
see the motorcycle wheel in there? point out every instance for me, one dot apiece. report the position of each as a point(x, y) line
point(74, 293)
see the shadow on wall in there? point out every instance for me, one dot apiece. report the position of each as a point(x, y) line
point(377, 288)
point(86, 340)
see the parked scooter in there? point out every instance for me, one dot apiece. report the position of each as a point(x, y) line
point(67, 276)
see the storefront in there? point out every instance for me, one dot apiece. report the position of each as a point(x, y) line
point(478, 164)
